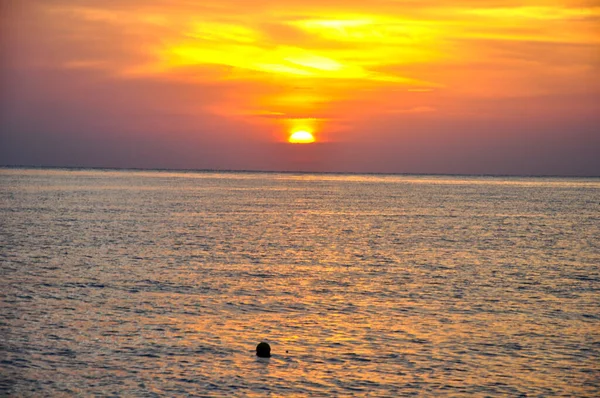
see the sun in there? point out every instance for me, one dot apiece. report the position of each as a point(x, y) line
point(301, 137)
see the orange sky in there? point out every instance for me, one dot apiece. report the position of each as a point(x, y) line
point(447, 79)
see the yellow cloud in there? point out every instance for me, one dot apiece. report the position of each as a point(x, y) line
point(343, 56)
point(539, 13)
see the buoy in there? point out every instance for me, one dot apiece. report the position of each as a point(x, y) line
point(263, 350)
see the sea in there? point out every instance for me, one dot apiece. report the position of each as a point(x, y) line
point(161, 283)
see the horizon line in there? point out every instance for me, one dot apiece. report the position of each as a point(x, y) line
point(217, 170)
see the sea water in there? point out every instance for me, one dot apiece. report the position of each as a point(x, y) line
point(155, 283)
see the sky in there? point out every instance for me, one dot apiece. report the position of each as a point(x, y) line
point(393, 86)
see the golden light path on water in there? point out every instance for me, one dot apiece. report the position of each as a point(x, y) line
point(138, 283)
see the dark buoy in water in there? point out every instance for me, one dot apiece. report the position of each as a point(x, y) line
point(263, 350)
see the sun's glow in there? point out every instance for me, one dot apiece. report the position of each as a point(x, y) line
point(301, 137)
point(309, 71)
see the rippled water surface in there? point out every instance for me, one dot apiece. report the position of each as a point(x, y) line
point(156, 283)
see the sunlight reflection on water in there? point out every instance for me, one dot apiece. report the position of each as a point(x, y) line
point(140, 283)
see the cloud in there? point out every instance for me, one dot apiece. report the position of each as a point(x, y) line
point(221, 76)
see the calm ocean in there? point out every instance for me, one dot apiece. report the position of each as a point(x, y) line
point(144, 283)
